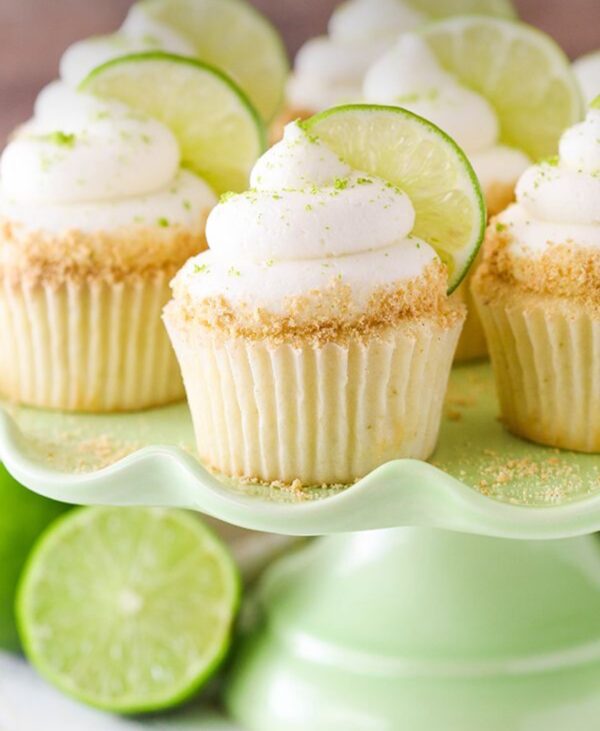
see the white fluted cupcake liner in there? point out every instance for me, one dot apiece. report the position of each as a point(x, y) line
point(472, 344)
point(546, 358)
point(87, 346)
point(322, 415)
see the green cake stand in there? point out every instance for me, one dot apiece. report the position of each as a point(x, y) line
point(457, 595)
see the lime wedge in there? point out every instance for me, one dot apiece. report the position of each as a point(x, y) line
point(233, 36)
point(520, 70)
point(446, 8)
point(425, 163)
point(219, 132)
point(128, 609)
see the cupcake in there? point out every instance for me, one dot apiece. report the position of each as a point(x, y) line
point(538, 294)
point(315, 336)
point(587, 71)
point(96, 216)
point(329, 70)
point(409, 75)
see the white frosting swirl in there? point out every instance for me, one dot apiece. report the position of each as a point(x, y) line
point(587, 71)
point(558, 202)
point(138, 34)
point(329, 70)
point(83, 163)
point(410, 76)
point(310, 220)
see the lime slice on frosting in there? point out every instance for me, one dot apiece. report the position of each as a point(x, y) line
point(128, 609)
point(520, 70)
point(425, 163)
point(219, 132)
point(446, 8)
point(233, 36)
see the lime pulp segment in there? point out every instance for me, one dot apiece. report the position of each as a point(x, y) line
point(425, 163)
point(128, 609)
point(219, 133)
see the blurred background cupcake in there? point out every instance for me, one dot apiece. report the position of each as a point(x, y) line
point(538, 294)
point(330, 69)
point(502, 107)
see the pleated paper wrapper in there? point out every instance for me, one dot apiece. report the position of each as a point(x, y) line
point(87, 346)
point(546, 358)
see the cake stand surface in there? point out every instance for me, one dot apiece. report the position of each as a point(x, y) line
point(418, 610)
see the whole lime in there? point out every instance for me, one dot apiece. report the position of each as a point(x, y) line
point(23, 516)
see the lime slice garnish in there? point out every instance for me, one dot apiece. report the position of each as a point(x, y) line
point(425, 163)
point(446, 8)
point(520, 70)
point(219, 132)
point(233, 36)
point(128, 609)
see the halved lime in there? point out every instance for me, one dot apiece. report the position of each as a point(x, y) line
point(128, 609)
point(233, 36)
point(220, 133)
point(23, 516)
point(446, 8)
point(425, 163)
point(520, 70)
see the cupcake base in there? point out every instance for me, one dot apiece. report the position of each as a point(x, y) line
point(318, 415)
point(546, 357)
point(472, 344)
point(90, 345)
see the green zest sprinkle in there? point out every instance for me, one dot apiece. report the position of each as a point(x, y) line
point(163, 222)
point(226, 196)
point(308, 207)
point(233, 272)
point(500, 227)
point(364, 181)
point(200, 268)
point(340, 183)
point(552, 161)
point(276, 197)
point(187, 205)
point(62, 139)
point(269, 262)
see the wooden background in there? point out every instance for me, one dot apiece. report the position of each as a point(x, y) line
point(33, 34)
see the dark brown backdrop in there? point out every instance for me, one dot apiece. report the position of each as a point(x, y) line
point(33, 34)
